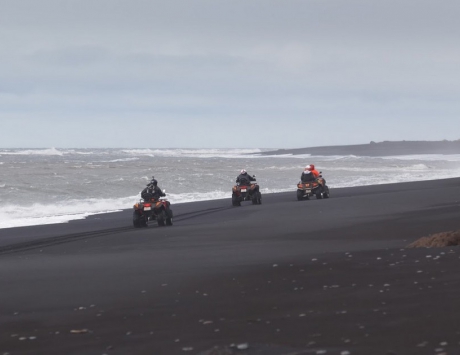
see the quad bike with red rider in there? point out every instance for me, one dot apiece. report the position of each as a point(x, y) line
point(246, 189)
point(152, 206)
point(312, 184)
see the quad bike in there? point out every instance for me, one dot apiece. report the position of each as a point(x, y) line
point(316, 188)
point(153, 209)
point(246, 192)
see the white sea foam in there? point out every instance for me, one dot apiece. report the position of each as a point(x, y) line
point(50, 151)
point(426, 157)
point(79, 152)
point(63, 212)
point(384, 169)
point(195, 153)
point(38, 213)
point(394, 177)
point(119, 160)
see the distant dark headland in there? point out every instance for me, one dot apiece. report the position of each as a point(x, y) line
point(379, 149)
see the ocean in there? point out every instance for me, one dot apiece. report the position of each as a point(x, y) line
point(43, 186)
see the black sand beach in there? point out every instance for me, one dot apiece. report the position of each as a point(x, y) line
point(286, 277)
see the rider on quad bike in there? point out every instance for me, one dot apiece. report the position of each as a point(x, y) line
point(312, 184)
point(152, 207)
point(244, 178)
point(152, 191)
point(307, 175)
point(246, 189)
point(312, 169)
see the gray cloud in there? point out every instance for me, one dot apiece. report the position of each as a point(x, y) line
point(387, 68)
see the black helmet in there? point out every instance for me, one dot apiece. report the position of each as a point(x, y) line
point(154, 182)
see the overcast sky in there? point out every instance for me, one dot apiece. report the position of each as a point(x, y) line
point(252, 73)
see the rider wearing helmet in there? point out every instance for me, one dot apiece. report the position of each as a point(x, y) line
point(316, 173)
point(312, 169)
point(244, 178)
point(307, 175)
point(152, 191)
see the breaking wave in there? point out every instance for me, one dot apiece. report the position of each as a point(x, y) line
point(195, 153)
point(50, 151)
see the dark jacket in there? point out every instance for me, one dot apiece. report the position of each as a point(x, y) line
point(245, 179)
point(152, 192)
point(307, 177)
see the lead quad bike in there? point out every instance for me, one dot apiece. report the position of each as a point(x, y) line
point(152, 209)
point(317, 188)
point(246, 192)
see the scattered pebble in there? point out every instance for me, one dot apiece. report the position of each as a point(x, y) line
point(187, 348)
point(242, 346)
point(79, 331)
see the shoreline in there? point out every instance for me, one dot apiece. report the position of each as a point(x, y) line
point(92, 214)
point(283, 277)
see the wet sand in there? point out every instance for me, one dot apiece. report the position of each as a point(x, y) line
point(286, 277)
